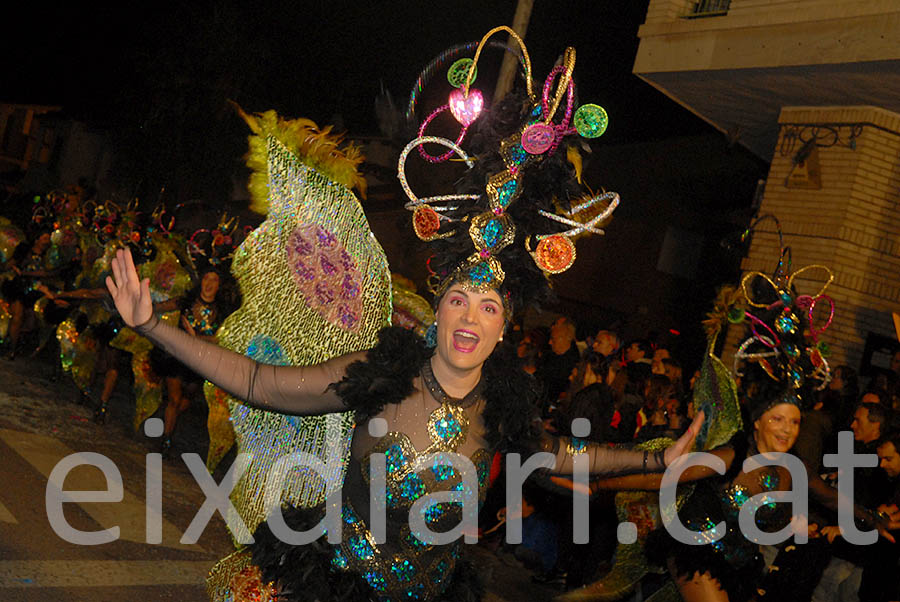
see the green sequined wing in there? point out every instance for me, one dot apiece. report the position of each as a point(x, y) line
point(315, 285)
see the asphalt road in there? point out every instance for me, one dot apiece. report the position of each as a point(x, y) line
point(41, 425)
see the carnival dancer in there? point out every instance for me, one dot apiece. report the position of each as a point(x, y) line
point(494, 244)
point(781, 363)
point(201, 315)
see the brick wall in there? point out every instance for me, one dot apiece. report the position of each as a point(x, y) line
point(851, 224)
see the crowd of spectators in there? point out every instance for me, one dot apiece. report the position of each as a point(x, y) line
point(636, 390)
point(630, 391)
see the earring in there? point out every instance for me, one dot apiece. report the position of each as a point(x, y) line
point(431, 335)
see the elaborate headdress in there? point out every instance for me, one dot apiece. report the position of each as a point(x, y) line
point(215, 248)
point(514, 214)
point(783, 338)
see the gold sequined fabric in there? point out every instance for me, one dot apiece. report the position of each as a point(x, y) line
point(147, 384)
point(219, 579)
point(77, 353)
point(280, 322)
point(218, 424)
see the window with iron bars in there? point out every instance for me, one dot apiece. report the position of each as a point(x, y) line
point(708, 8)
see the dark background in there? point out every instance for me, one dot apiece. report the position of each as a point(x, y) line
point(155, 80)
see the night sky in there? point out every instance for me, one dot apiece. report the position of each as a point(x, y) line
point(156, 79)
point(309, 58)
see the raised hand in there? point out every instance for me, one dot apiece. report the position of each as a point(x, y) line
point(684, 443)
point(130, 294)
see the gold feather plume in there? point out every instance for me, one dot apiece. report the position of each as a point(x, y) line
point(728, 307)
point(314, 146)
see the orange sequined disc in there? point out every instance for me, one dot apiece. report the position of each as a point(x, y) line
point(426, 222)
point(554, 254)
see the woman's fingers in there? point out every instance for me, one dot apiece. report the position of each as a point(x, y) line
point(130, 271)
point(684, 443)
point(116, 273)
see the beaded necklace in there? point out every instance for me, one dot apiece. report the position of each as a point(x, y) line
point(437, 391)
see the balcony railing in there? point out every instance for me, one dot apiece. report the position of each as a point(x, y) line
point(708, 8)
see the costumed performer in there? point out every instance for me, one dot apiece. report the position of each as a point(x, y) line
point(494, 245)
point(780, 364)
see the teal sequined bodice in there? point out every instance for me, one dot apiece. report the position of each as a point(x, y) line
point(405, 567)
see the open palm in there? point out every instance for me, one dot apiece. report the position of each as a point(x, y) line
point(684, 443)
point(130, 294)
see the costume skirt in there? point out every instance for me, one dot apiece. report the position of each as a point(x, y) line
point(303, 573)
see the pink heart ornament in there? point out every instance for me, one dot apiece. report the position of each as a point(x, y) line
point(466, 109)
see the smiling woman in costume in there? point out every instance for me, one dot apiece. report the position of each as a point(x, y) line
point(781, 363)
point(495, 242)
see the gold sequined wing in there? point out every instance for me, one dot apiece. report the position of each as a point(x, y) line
point(315, 285)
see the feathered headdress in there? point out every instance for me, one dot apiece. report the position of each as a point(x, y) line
point(783, 337)
point(511, 221)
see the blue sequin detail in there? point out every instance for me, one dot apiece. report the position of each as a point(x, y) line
point(481, 273)
point(403, 570)
point(439, 572)
point(786, 323)
point(361, 548)
point(703, 531)
point(578, 444)
point(447, 427)
point(740, 497)
point(492, 232)
point(376, 580)
point(348, 515)
point(517, 154)
point(442, 472)
point(266, 350)
point(786, 299)
point(414, 542)
point(505, 192)
point(412, 488)
point(434, 513)
point(415, 592)
point(394, 458)
point(339, 561)
point(483, 473)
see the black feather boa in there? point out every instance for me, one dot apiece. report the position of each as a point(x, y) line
point(387, 374)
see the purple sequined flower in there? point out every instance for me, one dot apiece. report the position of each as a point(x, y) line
point(349, 287)
point(301, 245)
point(326, 238)
point(303, 272)
point(348, 317)
point(327, 267)
point(324, 295)
point(347, 261)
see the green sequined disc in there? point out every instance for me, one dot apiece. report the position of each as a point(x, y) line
point(591, 120)
point(459, 71)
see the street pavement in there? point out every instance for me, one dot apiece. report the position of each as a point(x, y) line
point(41, 424)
